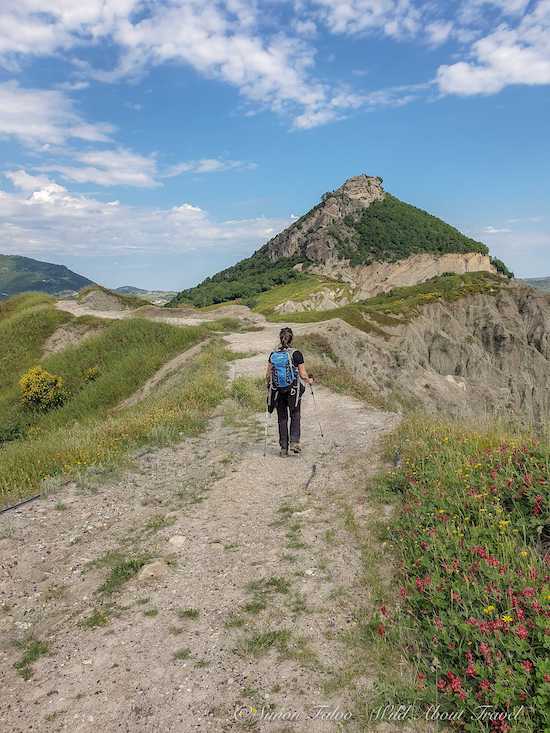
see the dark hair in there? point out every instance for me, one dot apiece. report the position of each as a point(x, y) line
point(285, 337)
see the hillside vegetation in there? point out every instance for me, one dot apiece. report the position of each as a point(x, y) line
point(385, 230)
point(97, 374)
point(473, 589)
point(20, 274)
point(401, 303)
point(247, 278)
point(391, 230)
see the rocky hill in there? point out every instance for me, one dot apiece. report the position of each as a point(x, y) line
point(357, 234)
point(21, 274)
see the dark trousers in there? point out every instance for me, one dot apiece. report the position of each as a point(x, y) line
point(285, 405)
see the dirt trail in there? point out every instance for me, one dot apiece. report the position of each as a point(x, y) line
point(259, 548)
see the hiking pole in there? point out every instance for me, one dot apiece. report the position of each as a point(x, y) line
point(316, 412)
point(265, 427)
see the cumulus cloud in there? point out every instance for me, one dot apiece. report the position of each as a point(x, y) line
point(44, 217)
point(39, 116)
point(114, 167)
point(517, 54)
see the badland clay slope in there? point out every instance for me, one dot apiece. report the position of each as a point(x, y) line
point(482, 354)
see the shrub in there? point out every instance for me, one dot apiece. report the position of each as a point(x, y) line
point(42, 390)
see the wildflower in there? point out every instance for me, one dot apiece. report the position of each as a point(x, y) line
point(381, 630)
point(522, 632)
point(524, 553)
point(441, 684)
point(503, 524)
point(488, 610)
point(485, 685)
point(507, 618)
point(527, 665)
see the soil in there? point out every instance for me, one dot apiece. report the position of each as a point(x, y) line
point(252, 579)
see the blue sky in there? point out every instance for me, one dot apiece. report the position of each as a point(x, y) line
point(155, 143)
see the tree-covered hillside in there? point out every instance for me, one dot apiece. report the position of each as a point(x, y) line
point(21, 274)
point(243, 280)
point(391, 230)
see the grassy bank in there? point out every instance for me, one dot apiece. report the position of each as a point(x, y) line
point(401, 304)
point(97, 374)
point(101, 440)
point(471, 605)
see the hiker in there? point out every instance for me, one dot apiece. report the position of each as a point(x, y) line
point(286, 376)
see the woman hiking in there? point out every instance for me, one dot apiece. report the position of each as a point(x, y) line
point(286, 376)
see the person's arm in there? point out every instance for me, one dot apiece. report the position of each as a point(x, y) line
point(304, 376)
point(268, 373)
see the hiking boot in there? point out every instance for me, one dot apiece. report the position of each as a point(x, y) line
point(284, 453)
point(296, 447)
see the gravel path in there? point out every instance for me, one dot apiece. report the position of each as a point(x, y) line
point(251, 577)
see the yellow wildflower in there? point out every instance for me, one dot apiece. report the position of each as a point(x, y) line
point(503, 523)
point(524, 553)
point(488, 610)
point(507, 618)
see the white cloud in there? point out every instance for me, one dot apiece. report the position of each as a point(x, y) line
point(509, 55)
point(438, 32)
point(227, 40)
point(494, 230)
point(113, 167)
point(395, 18)
point(38, 116)
point(207, 165)
point(47, 218)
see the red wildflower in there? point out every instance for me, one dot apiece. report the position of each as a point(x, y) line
point(522, 632)
point(381, 630)
point(441, 684)
point(527, 665)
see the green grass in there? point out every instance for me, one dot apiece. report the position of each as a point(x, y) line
point(125, 299)
point(122, 569)
point(262, 641)
point(297, 290)
point(189, 613)
point(249, 393)
point(85, 432)
point(95, 620)
point(377, 315)
point(32, 649)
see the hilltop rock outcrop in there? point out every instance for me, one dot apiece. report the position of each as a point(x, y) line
point(313, 235)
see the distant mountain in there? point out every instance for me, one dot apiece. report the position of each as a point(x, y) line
point(20, 274)
point(357, 226)
point(130, 290)
point(542, 283)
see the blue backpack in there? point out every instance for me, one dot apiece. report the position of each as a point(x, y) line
point(283, 372)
